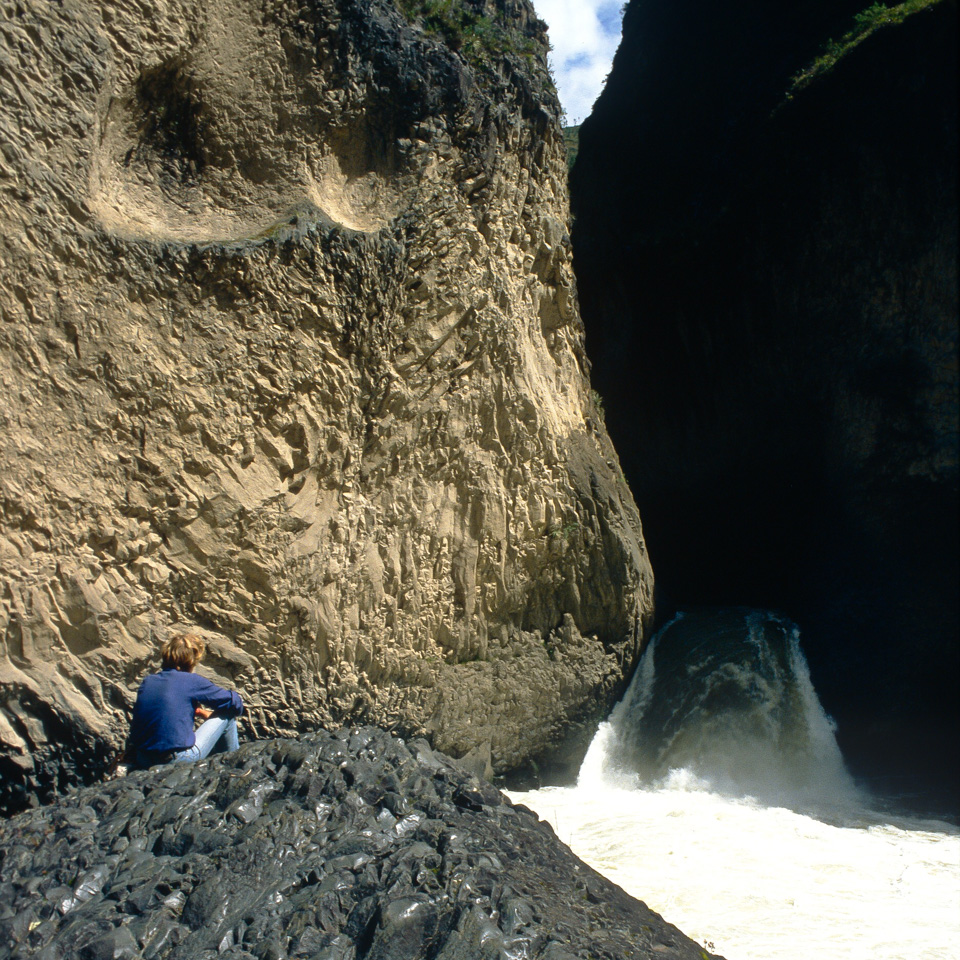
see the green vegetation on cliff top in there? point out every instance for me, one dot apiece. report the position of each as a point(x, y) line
point(571, 140)
point(469, 31)
point(865, 23)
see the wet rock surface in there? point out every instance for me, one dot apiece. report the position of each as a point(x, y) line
point(335, 846)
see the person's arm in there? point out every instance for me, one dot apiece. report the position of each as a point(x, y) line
point(210, 695)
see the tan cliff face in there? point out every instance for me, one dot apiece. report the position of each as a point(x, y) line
point(290, 354)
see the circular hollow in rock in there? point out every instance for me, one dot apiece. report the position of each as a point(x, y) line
point(179, 159)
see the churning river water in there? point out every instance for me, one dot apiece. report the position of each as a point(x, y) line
point(716, 794)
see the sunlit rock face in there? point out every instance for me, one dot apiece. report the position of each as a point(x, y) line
point(291, 355)
point(768, 278)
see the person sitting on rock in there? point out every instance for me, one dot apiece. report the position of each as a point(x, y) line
point(167, 702)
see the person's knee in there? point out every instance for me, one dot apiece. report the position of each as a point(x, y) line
point(190, 755)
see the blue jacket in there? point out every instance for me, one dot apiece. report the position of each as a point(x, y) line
point(164, 711)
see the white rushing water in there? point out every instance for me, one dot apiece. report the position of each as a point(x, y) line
point(809, 871)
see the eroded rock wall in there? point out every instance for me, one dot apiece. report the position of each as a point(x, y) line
point(291, 355)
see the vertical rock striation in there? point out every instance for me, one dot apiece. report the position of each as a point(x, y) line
point(290, 354)
point(768, 273)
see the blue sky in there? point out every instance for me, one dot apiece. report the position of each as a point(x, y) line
point(584, 34)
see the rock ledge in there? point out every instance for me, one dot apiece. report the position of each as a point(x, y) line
point(337, 846)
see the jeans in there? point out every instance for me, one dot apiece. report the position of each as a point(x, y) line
point(218, 732)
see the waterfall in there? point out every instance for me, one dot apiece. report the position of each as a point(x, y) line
point(723, 699)
point(716, 793)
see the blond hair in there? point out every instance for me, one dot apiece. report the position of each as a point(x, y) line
point(183, 651)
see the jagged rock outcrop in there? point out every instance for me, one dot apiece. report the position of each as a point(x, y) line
point(291, 354)
point(766, 249)
point(334, 846)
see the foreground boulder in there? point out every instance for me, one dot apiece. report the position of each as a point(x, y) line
point(334, 846)
point(290, 353)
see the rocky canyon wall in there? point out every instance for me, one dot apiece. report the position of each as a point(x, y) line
point(290, 354)
point(766, 247)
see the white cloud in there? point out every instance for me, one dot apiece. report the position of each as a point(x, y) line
point(584, 35)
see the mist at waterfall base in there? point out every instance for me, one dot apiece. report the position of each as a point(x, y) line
point(716, 793)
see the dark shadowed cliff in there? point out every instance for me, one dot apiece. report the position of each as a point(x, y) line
point(768, 276)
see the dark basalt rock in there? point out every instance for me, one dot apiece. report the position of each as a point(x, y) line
point(334, 846)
